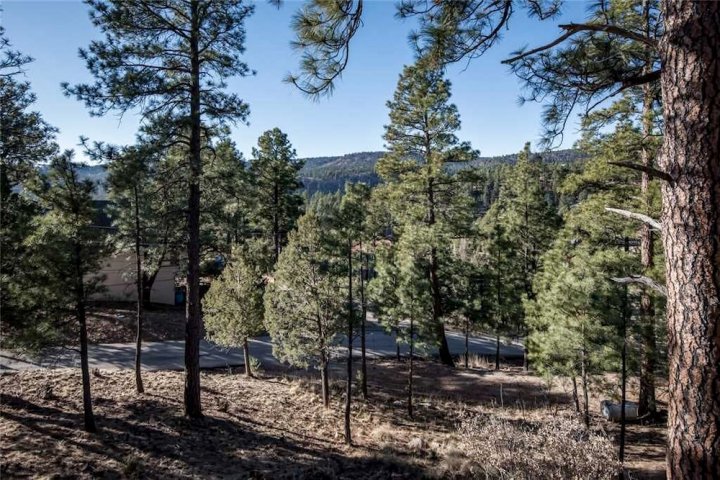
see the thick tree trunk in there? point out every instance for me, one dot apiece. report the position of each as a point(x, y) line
point(139, 284)
point(348, 385)
point(690, 53)
point(363, 319)
point(193, 407)
point(325, 383)
point(410, 370)
point(246, 355)
point(88, 416)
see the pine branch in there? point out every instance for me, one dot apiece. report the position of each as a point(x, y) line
point(573, 28)
point(653, 172)
point(591, 27)
point(656, 225)
point(642, 280)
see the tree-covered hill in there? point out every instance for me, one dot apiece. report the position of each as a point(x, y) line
point(329, 174)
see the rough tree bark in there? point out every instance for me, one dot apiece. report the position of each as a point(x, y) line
point(690, 53)
point(193, 320)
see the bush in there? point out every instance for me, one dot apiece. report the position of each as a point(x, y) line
point(560, 448)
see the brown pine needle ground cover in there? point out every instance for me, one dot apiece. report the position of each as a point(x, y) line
point(270, 427)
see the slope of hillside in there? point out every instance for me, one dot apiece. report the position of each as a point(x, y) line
point(329, 174)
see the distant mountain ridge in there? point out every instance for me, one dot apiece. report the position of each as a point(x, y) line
point(329, 174)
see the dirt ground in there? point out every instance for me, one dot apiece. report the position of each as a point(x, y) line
point(115, 322)
point(271, 427)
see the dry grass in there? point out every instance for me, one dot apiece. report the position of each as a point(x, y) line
point(556, 448)
point(271, 427)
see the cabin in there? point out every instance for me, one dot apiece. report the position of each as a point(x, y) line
point(118, 270)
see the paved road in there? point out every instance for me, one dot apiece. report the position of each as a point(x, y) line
point(169, 355)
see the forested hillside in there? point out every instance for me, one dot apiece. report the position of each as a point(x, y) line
point(329, 174)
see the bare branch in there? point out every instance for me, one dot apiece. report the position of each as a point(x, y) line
point(653, 172)
point(656, 225)
point(593, 27)
point(642, 280)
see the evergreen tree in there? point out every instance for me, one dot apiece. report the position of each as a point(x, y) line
point(575, 317)
point(501, 299)
point(227, 188)
point(383, 291)
point(610, 62)
point(128, 185)
point(66, 251)
point(26, 140)
point(170, 59)
point(420, 141)
point(233, 307)
point(305, 302)
point(626, 192)
point(277, 205)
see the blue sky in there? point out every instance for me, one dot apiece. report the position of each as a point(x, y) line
point(350, 121)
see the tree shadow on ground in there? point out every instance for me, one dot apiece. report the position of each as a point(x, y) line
point(152, 439)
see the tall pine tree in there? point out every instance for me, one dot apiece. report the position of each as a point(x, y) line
point(420, 140)
point(171, 59)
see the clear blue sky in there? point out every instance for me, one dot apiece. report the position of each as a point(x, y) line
point(350, 121)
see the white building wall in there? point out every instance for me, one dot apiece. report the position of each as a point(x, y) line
point(119, 281)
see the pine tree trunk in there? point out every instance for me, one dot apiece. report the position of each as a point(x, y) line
point(276, 222)
point(690, 53)
point(363, 304)
point(583, 374)
point(576, 398)
point(325, 383)
point(246, 355)
point(646, 398)
point(497, 352)
point(139, 283)
point(444, 350)
point(467, 342)
point(193, 407)
point(88, 416)
point(348, 389)
point(410, 370)
point(623, 378)
point(397, 350)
